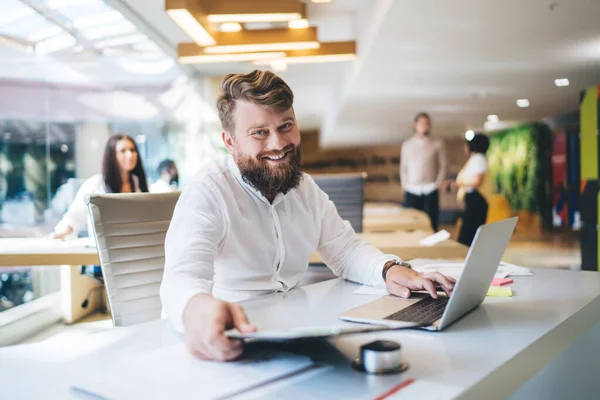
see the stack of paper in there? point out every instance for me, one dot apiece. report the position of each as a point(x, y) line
point(455, 269)
point(173, 373)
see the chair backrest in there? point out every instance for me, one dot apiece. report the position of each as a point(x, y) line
point(347, 192)
point(130, 234)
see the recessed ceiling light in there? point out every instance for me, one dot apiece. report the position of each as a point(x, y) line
point(216, 58)
point(563, 82)
point(230, 27)
point(469, 135)
point(298, 24)
point(252, 48)
point(273, 17)
point(523, 103)
point(493, 118)
point(188, 23)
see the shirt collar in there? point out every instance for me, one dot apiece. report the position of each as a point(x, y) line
point(235, 170)
point(422, 139)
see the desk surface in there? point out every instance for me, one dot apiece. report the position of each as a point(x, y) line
point(406, 246)
point(386, 217)
point(491, 351)
point(42, 251)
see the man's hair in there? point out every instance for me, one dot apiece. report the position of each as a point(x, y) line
point(258, 87)
point(422, 115)
point(165, 165)
point(479, 144)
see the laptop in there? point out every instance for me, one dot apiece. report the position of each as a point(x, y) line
point(469, 292)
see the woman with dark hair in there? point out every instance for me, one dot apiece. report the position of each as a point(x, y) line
point(122, 172)
point(474, 186)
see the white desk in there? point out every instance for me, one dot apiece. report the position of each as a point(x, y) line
point(489, 353)
point(67, 254)
point(407, 246)
point(46, 252)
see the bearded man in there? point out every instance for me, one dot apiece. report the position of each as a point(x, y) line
point(246, 225)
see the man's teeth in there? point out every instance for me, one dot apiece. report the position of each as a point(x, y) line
point(276, 157)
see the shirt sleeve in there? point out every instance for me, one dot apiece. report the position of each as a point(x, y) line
point(346, 254)
point(478, 165)
point(403, 163)
point(442, 163)
point(77, 213)
point(191, 246)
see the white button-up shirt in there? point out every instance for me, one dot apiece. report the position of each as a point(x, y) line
point(227, 239)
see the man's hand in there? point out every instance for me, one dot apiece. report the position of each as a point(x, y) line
point(400, 281)
point(205, 320)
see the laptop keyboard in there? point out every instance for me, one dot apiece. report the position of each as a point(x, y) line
point(424, 312)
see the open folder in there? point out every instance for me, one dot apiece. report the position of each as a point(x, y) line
point(173, 373)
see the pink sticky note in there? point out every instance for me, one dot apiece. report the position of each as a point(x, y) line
point(501, 281)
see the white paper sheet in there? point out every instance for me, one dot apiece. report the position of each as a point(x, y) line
point(173, 373)
point(455, 269)
point(517, 270)
point(436, 238)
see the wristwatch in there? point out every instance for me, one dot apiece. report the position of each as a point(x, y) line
point(390, 264)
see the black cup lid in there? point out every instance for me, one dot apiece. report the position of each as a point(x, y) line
point(381, 345)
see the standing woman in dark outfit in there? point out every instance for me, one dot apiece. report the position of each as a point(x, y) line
point(474, 185)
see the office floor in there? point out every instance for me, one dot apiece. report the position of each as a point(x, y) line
point(548, 250)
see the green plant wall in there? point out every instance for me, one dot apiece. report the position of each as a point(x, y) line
point(519, 160)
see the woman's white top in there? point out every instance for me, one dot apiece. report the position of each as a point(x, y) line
point(77, 214)
point(477, 165)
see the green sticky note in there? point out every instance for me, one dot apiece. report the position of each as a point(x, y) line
point(499, 291)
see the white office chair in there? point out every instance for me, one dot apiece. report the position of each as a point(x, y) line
point(130, 233)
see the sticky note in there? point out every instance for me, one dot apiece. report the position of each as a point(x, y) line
point(501, 281)
point(498, 291)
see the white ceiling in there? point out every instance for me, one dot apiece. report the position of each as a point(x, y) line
point(459, 60)
point(465, 59)
point(84, 69)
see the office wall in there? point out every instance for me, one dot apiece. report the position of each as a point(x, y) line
point(89, 148)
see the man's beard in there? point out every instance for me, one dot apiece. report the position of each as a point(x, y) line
point(272, 179)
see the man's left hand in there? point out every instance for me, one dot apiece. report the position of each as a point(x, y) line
point(400, 281)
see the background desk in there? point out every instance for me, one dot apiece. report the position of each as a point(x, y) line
point(388, 217)
point(68, 254)
point(406, 245)
point(42, 252)
point(489, 353)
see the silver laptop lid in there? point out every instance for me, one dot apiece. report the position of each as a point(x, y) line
point(481, 264)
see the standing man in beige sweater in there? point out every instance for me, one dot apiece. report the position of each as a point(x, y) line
point(423, 168)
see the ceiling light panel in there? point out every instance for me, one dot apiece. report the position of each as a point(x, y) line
point(190, 25)
point(220, 58)
point(264, 40)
